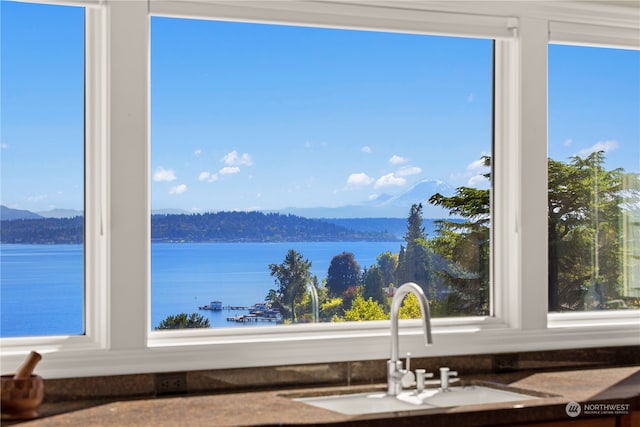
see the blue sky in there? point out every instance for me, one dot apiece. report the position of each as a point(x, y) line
point(267, 117)
point(247, 116)
point(42, 106)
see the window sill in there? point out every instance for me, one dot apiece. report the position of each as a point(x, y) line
point(303, 344)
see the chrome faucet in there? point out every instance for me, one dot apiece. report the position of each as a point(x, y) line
point(397, 377)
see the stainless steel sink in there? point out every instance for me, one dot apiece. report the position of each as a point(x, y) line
point(381, 402)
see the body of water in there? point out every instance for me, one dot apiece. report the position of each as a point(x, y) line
point(42, 291)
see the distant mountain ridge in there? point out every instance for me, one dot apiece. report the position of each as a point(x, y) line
point(385, 205)
point(7, 213)
point(10, 214)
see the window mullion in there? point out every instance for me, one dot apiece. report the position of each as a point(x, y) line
point(96, 262)
point(128, 39)
point(531, 177)
point(520, 169)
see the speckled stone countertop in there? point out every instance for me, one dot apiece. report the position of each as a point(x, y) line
point(609, 385)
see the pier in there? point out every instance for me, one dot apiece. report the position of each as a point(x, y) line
point(246, 318)
point(218, 307)
point(260, 312)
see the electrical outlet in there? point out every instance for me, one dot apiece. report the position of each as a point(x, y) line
point(171, 383)
point(507, 362)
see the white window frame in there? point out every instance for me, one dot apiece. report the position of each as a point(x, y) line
point(118, 336)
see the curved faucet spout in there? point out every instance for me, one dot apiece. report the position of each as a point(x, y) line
point(395, 370)
point(396, 302)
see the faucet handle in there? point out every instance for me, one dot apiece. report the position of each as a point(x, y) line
point(407, 380)
point(445, 374)
point(421, 374)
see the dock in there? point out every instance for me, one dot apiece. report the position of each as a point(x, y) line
point(260, 312)
point(246, 318)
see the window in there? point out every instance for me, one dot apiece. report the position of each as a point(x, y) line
point(131, 132)
point(331, 156)
point(594, 178)
point(42, 252)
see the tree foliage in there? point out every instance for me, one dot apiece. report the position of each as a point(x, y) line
point(373, 285)
point(584, 239)
point(331, 309)
point(387, 262)
point(184, 321)
point(415, 260)
point(362, 309)
point(291, 276)
point(43, 231)
point(344, 273)
point(465, 245)
point(410, 308)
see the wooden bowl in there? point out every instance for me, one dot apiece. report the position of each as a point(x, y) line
point(21, 398)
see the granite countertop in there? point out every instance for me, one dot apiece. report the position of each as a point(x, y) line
point(610, 385)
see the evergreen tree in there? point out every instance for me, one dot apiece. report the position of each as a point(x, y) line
point(414, 261)
point(373, 285)
point(184, 321)
point(292, 276)
point(584, 236)
point(387, 262)
point(465, 248)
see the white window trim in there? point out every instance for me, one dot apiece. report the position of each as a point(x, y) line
point(377, 16)
point(594, 35)
point(119, 338)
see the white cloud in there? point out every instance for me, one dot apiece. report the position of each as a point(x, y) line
point(233, 159)
point(471, 98)
point(208, 176)
point(359, 180)
point(475, 165)
point(567, 142)
point(408, 170)
point(197, 152)
point(162, 174)
point(366, 149)
point(229, 170)
point(389, 180)
point(4, 146)
point(178, 189)
point(477, 181)
point(599, 146)
point(397, 160)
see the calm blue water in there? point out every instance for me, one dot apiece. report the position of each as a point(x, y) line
point(42, 285)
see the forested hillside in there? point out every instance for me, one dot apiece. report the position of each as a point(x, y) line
point(209, 227)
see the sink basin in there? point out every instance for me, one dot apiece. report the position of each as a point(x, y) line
point(362, 403)
point(380, 402)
